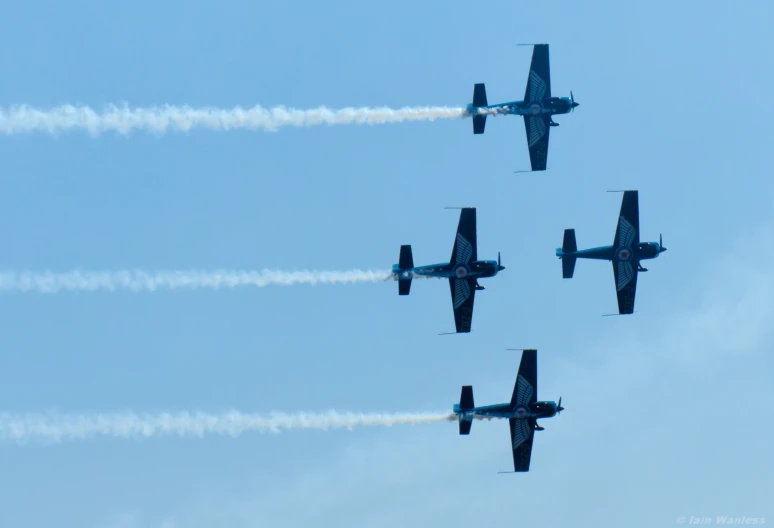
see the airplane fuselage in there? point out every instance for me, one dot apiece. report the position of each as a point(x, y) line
point(550, 106)
point(537, 410)
point(641, 251)
point(475, 270)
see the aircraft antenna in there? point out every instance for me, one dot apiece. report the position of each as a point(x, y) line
point(523, 171)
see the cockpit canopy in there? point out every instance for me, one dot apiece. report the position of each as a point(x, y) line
point(560, 105)
point(544, 409)
point(648, 250)
point(484, 266)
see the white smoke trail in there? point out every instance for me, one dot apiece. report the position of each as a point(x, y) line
point(54, 427)
point(138, 280)
point(162, 119)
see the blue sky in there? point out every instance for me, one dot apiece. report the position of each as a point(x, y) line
point(667, 412)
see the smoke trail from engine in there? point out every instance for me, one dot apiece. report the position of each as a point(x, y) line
point(162, 119)
point(55, 427)
point(149, 281)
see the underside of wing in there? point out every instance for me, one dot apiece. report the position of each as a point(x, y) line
point(522, 436)
point(525, 389)
point(538, 130)
point(465, 250)
point(463, 293)
point(539, 81)
point(627, 233)
point(625, 274)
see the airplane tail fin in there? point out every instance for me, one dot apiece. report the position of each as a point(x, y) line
point(466, 404)
point(569, 246)
point(479, 99)
point(405, 262)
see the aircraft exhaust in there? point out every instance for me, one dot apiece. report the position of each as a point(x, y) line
point(150, 281)
point(163, 119)
point(55, 428)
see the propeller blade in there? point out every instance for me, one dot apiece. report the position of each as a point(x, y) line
point(498, 259)
point(559, 407)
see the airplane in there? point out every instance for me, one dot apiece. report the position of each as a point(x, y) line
point(463, 270)
point(523, 411)
point(538, 108)
point(626, 253)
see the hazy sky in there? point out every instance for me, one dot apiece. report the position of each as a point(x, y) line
point(668, 412)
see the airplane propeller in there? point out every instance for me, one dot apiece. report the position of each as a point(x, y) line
point(661, 243)
point(559, 407)
point(500, 267)
point(572, 100)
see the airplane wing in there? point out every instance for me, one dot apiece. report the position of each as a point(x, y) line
point(538, 89)
point(463, 290)
point(625, 274)
point(524, 393)
point(539, 82)
point(627, 234)
point(525, 389)
point(521, 442)
point(538, 129)
point(463, 293)
point(465, 244)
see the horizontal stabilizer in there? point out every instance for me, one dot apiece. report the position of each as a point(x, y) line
point(568, 244)
point(479, 95)
point(479, 100)
point(466, 404)
point(568, 267)
point(405, 263)
point(406, 259)
point(479, 122)
point(465, 426)
point(466, 398)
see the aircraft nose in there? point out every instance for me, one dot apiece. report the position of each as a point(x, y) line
point(500, 268)
point(575, 104)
